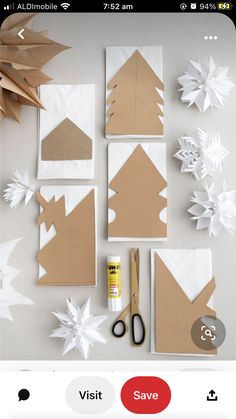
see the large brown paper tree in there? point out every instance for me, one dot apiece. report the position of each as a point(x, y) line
point(21, 61)
point(137, 202)
point(134, 102)
point(69, 257)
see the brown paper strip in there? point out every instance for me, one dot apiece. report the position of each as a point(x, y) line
point(69, 257)
point(67, 142)
point(137, 202)
point(175, 313)
point(134, 101)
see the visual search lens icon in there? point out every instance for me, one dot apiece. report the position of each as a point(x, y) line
point(208, 333)
point(23, 394)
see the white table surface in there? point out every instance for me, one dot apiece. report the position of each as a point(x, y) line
point(182, 37)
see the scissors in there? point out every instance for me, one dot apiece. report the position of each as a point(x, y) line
point(133, 307)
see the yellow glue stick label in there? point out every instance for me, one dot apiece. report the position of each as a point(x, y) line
point(113, 280)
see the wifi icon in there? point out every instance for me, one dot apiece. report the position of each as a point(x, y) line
point(65, 6)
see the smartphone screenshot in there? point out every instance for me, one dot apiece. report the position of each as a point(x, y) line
point(118, 210)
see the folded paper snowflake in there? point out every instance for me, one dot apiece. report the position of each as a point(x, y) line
point(21, 189)
point(79, 328)
point(214, 209)
point(9, 296)
point(206, 85)
point(201, 154)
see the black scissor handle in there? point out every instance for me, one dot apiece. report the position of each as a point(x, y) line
point(123, 328)
point(137, 342)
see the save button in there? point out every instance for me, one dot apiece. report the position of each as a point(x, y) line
point(145, 395)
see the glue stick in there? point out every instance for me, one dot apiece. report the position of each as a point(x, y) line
point(114, 283)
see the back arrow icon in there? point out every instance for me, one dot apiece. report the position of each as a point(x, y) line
point(20, 34)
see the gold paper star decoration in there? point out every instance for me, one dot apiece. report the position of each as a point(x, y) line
point(21, 60)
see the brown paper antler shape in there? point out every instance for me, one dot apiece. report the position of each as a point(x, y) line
point(69, 257)
point(175, 313)
point(137, 202)
point(21, 61)
point(134, 101)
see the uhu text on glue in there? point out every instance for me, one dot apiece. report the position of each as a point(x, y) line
point(113, 283)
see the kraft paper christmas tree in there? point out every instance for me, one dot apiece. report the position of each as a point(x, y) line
point(69, 257)
point(137, 202)
point(135, 101)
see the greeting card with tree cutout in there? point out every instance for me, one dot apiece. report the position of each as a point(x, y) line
point(134, 92)
point(137, 202)
point(67, 254)
point(182, 287)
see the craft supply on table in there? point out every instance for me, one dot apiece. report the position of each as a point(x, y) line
point(114, 283)
point(134, 92)
point(67, 220)
point(182, 287)
point(137, 324)
point(137, 192)
point(79, 328)
point(66, 132)
point(205, 84)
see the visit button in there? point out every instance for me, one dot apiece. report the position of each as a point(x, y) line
point(145, 395)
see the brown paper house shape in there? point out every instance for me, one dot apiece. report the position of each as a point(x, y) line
point(175, 313)
point(134, 102)
point(69, 257)
point(137, 202)
point(66, 142)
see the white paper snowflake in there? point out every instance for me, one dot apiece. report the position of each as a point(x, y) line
point(79, 328)
point(20, 189)
point(201, 154)
point(206, 85)
point(214, 209)
point(8, 295)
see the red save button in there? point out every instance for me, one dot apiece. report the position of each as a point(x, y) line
point(144, 395)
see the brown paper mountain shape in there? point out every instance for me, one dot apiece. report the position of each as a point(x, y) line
point(137, 202)
point(134, 101)
point(175, 313)
point(21, 61)
point(66, 142)
point(69, 257)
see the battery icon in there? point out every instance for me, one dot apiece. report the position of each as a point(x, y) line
point(224, 6)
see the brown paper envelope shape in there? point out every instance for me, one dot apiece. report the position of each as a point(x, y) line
point(66, 142)
point(70, 256)
point(134, 101)
point(175, 313)
point(137, 202)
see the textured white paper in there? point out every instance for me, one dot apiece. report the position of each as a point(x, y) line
point(9, 296)
point(192, 269)
point(73, 196)
point(116, 57)
point(205, 84)
point(118, 154)
point(76, 102)
point(79, 328)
